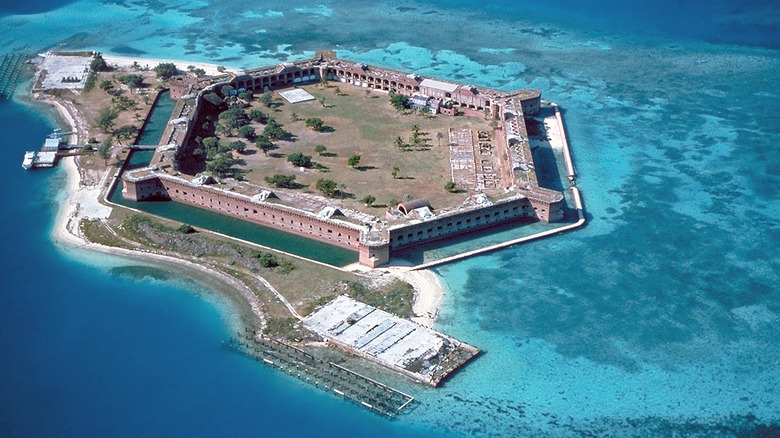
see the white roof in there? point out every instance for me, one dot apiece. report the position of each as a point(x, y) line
point(51, 143)
point(439, 85)
point(296, 95)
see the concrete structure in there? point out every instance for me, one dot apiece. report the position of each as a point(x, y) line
point(406, 226)
point(419, 352)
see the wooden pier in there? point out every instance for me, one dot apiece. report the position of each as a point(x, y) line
point(331, 377)
point(10, 70)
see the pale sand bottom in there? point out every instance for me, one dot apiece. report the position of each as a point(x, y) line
point(150, 63)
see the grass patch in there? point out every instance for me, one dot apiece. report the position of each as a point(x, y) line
point(395, 298)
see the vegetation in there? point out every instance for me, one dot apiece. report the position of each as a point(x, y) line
point(165, 70)
point(396, 300)
point(400, 102)
point(98, 64)
point(320, 149)
point(238, 146)
point(258, 116)
point(300, 160)
point(282, 181)
point(449, 186)
point(354, 160)
point(369, 200)
point(267, 98)
point(185, 229)
point(327, 187)
point(104, 150)
point(132, 80)
point(264, 143)
point(126, 132)
point(274, 130)
point(222, 165)
point(89, 84)
point(105, 119)
point(247, 132)
point(316, 124)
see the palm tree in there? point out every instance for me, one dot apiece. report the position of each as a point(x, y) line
point(439, 136)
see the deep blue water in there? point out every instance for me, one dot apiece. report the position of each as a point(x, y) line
point(661, 317)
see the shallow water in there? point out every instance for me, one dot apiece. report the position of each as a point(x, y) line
point(662, 316)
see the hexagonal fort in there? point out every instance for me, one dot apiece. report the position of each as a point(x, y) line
point(487, 156)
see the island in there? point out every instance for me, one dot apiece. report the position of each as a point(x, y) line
point(346, 155)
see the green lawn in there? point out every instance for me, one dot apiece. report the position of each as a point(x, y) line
point(363, 124)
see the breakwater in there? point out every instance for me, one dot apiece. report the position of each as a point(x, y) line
point(328, 376)
point(10, 70)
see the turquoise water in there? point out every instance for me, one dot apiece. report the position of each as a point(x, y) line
point(660, 318)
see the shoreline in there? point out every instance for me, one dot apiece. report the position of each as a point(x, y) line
point(150, 63)
point(83, 200)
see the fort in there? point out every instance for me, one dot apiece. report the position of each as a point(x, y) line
point(495, 168)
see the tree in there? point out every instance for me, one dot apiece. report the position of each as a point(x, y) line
point(400, 102)
point(234, 118)
point(320, 149)
point(213, 99)
point(165, 70)
point(369, 200)
point(98, 64)
point(274, 130)
point(267, 98)
point(247, 132)
point(321, 100)
point(439, 136)
point(123, 102)
point(282, 181)
point(354, 160)
point(315, 123)
point(326, 186)
point(132, 80)
point(238, 146)
point(221, 68)
point(299, 160)
point(449, 186)
point(264, 144)
point(125, 133)
point(258, 116)
point(211, 143)
point(106, 85)
point(246, 95)
point(395, 172)
point(89, 84)
point(415, 134)
point(221, 165)
point(104, 150)
point(294, 117)
point(105, 119)
point(226, 89)
point(401, 143)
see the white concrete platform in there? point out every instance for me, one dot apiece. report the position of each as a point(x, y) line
point(296, 96)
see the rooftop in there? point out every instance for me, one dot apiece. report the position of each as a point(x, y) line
point(422, 353)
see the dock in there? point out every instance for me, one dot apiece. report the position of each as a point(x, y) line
point(47, 155)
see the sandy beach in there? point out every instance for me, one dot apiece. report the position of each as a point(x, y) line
point(127, 62)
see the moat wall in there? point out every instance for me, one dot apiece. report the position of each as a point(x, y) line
point(334, 232)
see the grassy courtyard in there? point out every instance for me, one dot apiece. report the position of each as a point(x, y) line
point(367, 125)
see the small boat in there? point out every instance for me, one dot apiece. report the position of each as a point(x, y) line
point(29, 159)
